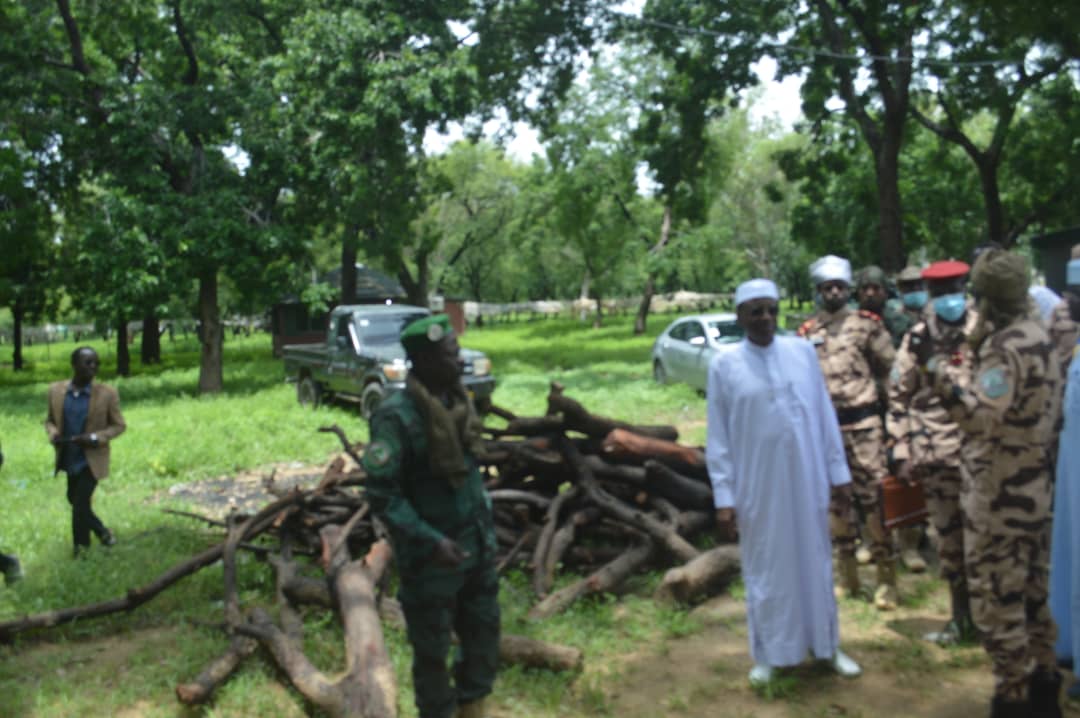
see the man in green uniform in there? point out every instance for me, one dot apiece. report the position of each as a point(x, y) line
point(425, 485)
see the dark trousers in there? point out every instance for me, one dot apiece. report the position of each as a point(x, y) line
point(468, 603)
point(7, 563)
point(80, 491)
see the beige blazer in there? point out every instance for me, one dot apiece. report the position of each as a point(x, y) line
point(103, 418)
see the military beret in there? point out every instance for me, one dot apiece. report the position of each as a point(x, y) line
point(946, 269)
point(424, 333)
point(910, 273)
point(872, 274)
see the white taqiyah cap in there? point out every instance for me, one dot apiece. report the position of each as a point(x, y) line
point(1072, 273)
point(830, 268)
point(756, 289)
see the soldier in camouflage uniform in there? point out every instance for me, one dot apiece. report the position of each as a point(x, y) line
point(1005, 404)
point(425, 485)
point(926, 440)
point(856, 353)
point(913, 298)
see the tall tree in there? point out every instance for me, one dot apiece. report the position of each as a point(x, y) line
point(862, 54)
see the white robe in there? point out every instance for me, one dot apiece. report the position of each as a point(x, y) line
point(773, 451)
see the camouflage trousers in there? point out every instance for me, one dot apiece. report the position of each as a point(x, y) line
point(941, 485)
point(865, 449)
point(1008, 580)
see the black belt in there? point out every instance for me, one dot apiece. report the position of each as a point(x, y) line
point(851, 416)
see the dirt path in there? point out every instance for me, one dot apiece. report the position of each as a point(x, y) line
point(705, 674)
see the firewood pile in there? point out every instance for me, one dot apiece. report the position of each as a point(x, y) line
point(595, 497)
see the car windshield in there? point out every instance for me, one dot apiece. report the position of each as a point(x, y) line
point(725, 332)
point(383, 329)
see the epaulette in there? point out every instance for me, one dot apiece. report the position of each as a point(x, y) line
point(870, 315)
point(805, 327)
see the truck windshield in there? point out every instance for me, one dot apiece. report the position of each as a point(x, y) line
point(383, 329)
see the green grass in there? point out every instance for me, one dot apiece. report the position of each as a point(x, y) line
point(133, 661)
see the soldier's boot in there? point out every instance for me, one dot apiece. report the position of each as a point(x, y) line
point(1002, 707)
point(1044, 694)
point(961, 627)
point(475, 709)
point(910, 538)
point(886, 597)
point(849, 576)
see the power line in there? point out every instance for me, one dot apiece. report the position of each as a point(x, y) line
point(817, 51)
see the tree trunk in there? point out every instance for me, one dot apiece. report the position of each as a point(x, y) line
point(416, 289)
point(17, 312)
point(150, 349)
point(890, 221)
point(995, 214)
point(210, 365)
point(123, 353)
point(650, 283)
point(348, 264)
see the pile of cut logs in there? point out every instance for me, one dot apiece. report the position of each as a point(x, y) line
point(599, 497)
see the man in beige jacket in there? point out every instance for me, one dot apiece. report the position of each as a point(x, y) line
point(83, 418)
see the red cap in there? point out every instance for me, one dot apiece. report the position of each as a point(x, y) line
point(946, 269)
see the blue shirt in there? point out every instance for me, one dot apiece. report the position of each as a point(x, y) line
point(76, 407)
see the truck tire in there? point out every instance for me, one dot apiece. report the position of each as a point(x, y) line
point(308, 393)
point(370, 398)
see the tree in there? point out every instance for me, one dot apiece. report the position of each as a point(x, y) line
point(988, 72)
point(876, 37)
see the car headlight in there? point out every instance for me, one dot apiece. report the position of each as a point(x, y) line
point(395, 371)
point(481, 366)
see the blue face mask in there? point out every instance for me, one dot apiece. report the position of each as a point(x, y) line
point(950, 307)
point(915, 300)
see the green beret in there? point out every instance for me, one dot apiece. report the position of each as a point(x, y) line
point(425, 333)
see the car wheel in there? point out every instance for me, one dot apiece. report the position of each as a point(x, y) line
point(370, 399)
point(308, 393)
point(659, 372)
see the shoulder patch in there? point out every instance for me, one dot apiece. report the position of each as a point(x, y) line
point(867, 314)
point(993, 383)
point(805, 328)
point(377, 454)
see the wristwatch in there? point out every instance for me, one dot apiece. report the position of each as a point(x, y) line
point(93, 438)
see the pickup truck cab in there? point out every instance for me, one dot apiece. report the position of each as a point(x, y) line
point(362, 359)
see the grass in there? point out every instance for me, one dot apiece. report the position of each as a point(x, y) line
point(132, 662)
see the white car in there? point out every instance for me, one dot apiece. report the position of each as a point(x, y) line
point(682, 351)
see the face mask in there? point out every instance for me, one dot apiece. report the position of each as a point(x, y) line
point(950, 307)
point(915, 300)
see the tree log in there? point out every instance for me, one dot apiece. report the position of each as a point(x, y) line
point(623, 444)
point(605, 579)
point(543, 543)
point(577, 418)
point(217, 672)
point(705, 576)
point(685, 492)
point(530, 653)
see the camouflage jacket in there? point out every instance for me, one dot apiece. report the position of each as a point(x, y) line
point(419, 509)
point(855, 352)
point(920, 428)
point(1005, 404)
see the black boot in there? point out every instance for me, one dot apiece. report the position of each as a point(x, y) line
point(1044, 694)
point(1004, 708)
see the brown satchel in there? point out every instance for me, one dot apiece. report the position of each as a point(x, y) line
point(901, 504)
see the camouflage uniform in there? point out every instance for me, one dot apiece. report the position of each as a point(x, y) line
point(925, 435)
point(1005, 405)
point(1064, 333)
point(856, 353)
point(419, 510)
point(899, 320)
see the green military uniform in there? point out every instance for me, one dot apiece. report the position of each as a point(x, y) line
point(420, 509)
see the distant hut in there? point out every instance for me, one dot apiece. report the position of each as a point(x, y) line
point(292, 323)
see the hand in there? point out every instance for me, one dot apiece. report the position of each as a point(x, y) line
point(922, 347)
point(726, 527)
point(56, 439)
point(449, 554)
point(905, 472)
point(84, 441)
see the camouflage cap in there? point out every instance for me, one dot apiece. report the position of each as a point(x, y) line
point(425, 333)
point(910, 273)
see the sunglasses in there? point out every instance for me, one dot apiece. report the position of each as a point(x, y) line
point(759, 312)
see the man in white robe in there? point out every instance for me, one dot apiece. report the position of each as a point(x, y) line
point(774, 455)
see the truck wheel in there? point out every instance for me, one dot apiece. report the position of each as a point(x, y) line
point(370, 399)
point(308, 393)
